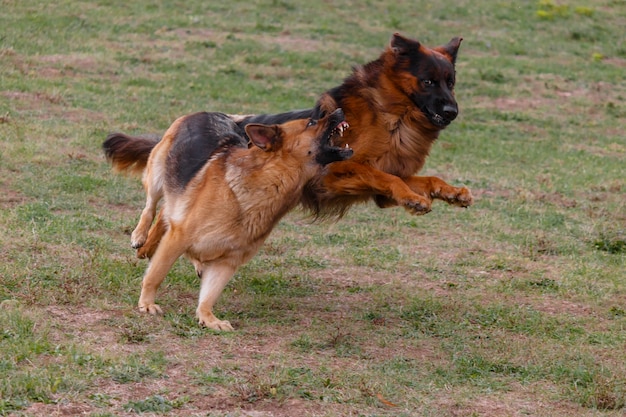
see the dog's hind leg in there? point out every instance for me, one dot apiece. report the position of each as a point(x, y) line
point(172, 246)
point(215, 276)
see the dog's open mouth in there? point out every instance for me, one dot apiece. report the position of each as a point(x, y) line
point(337, 125)
point(331, 150)
point(337, 133)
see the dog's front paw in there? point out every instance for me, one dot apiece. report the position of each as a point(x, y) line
point(139, 236)
point(216, 324)
point(209, 321)
point(150, 308)
point(136, 241)
point(417, 206)
point(461, 197)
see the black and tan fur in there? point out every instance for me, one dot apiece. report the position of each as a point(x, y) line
point(221, 198)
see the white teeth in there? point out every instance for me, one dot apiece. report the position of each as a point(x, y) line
point(342, 128)
point(347, 147)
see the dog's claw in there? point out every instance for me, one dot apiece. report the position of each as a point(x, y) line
point(417, 210)
point(417, 207)
point(219, 325)
point(138, 238)
point(461, 197)
point(208, 320)
point(136, 242)
point(151, 309)
point(465, 197)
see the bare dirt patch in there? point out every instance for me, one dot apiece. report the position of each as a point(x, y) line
point(554, 306)
point(285, 40)
point(49, 106)
point(83, 62)
point(84, 324)
point(551, 95)
point(10, 198)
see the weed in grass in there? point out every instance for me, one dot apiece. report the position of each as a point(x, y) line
point(343, 343)
point(8, 406)
point(185, 324)
point(215, 376)
point(604, 394)
point(544, 284)
point(21, 339)
point(430, 317)
point(125, 374)
point(154, 404)
point(303, 343)
point(257, 279)
point(591, 385)
point(481, 371)
point(550, 10)
point(584, 11)
point(539, 245)
point(613, 243)
point(526, 321)
point(611, 338)
point(256, 388)
point(101, 400)
point(375, 317)
point(616, 312)
point(135, 368)
point(134, 332)
point(269, 285)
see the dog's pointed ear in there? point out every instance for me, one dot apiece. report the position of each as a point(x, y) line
point(451, 48)
point(401, 45)
point(263, 136)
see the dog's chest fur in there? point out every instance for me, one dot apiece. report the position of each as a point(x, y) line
point(265, 185)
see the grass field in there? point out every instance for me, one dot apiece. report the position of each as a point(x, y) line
point(513, 307)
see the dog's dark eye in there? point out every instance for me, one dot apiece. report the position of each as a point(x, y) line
point(450, 83)
point(428, 83)
point(312, 122)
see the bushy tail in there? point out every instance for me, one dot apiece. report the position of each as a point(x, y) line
point(128, 153)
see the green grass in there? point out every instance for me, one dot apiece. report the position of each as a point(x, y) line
point(515, 306)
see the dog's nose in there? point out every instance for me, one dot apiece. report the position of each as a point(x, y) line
point(450, 112)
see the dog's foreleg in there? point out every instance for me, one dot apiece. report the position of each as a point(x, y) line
point(139, 235)
point(215, 276)
point(153, 184)
point(155, 235)
point(352, 178)
point(171, 247)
